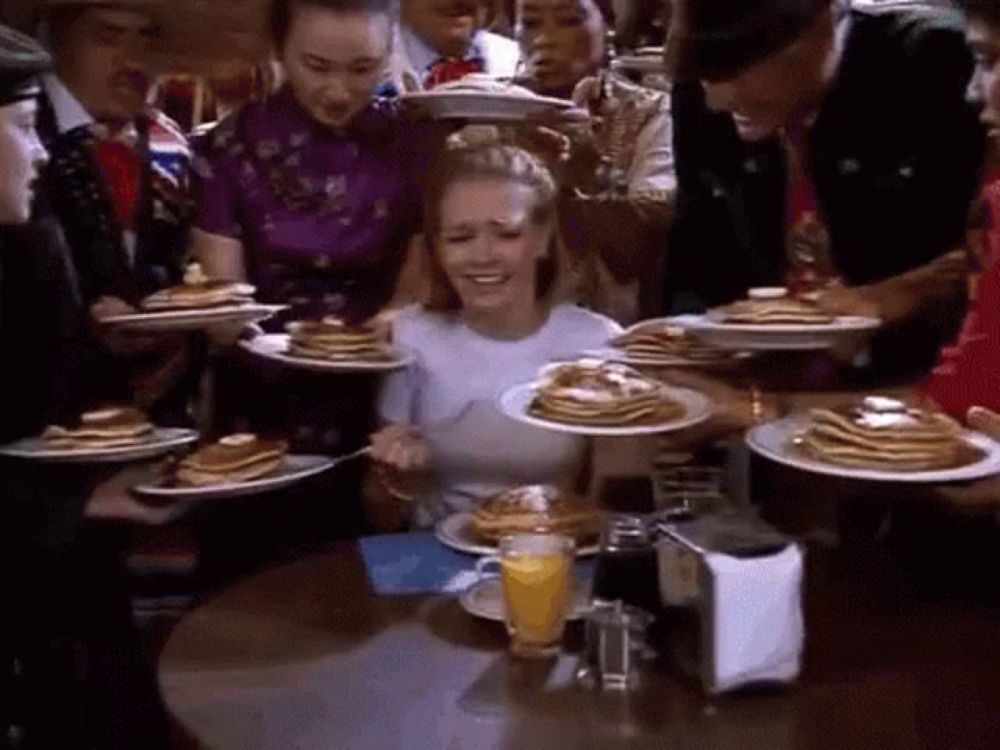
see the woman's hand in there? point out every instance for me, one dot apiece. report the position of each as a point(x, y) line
point(986, 493)
point(985, 421)
point(401, 447)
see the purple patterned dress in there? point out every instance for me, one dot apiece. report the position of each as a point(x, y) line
point(324, 215)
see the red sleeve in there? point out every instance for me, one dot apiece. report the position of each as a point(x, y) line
point(968, 373)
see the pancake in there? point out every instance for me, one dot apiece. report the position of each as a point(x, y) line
point(482, 83)
point(333, 339)
point(534, 508)
point(235, 458)
point(883, 433)
point(603, 394)
point(197, 292)
point(660, 340)
point(775, 311)
point(106, 427)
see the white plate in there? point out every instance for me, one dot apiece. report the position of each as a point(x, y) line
point(697, 408)
point(163, 440)
point(485, 599)
point(293, 469)
point(274, 346)
point(640, 63)
point(455, 531)
point(476, 105)
point(773, 440)
point(193, 320)
point(612, 354)
point(797, 337)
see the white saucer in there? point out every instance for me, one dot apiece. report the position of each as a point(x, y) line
point(193, 320)
point(485, 599)
point(163, 440)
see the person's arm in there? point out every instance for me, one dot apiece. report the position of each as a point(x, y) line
point(221, 257)
point(901, 298)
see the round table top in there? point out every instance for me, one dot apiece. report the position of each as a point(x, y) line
point(306, 656)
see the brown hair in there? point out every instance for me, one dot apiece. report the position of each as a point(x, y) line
point(503, 163)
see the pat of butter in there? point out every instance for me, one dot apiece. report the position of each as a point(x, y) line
point(237, 440)
point(193, 275)
point(767, 292)
point(99, 415)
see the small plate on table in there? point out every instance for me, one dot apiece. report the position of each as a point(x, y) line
point(712, 329)
point(515, 401)
point(162, 440)
point(456, 532)
point(193, 320)
point(293, 469)
point(485, 599)
point(775, 441)
point(274, 346)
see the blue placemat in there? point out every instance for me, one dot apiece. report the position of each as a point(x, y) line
point(418, 563)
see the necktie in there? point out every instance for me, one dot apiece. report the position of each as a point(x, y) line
point(450, 69)
point(807, 241)
point(119, 165)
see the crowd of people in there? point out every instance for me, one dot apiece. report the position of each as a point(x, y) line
point(802, 143)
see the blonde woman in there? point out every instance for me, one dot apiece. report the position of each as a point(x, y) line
point(490, 220)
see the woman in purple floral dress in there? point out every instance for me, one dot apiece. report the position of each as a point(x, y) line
point(311, 196)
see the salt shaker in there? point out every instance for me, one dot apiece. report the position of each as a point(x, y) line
point(613, 635)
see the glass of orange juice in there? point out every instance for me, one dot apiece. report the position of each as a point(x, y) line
point(536, 576)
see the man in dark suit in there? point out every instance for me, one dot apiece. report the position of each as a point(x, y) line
point(828, 149)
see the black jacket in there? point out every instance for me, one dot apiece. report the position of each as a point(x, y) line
point(894, 155)
point(75, 192)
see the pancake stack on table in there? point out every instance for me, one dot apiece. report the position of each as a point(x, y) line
point(601, 394)
point(199, 292)
point(107, 427)
point(660, 340)
point(333, 339)
point(535, 508)
point(882, 433)
point(235, 458)
point(778, 310)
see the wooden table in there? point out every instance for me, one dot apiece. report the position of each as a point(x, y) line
point(306, 656)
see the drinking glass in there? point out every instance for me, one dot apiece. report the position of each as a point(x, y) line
point(536, 577)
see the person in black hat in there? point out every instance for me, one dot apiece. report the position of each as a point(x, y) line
point(827, 149)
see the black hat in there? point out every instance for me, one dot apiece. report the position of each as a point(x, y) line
point(21, 60)
point(716, 39)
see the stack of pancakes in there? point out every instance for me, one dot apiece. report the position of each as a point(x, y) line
point(198, 292)
point(776, 311)
point(481, 83)
point(598, 393)
point(660, 340)
point(235, 458)
point(333, 339)
point(107, 427)
point(535, 508)
point(883, 433)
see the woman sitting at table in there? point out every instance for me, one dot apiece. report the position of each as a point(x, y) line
point(490, 221)
point(620, 180)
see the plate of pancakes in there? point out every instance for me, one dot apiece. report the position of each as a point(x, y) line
point(519, 510)
point(772, 320)
point(878, 439)
point(482, 97)
point(197, 303)
point(603, 399)
point(659, 343)
point(234, 466)
point(109, 434)
point(332, 345)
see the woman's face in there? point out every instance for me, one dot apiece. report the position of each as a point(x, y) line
point(561, 40)
point(984, 88)
point(489, 245)
point(334, 61)
point(22, 156)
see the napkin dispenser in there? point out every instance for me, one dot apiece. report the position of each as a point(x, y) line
point(739, 583)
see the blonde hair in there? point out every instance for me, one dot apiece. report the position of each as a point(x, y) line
point(503, 163)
